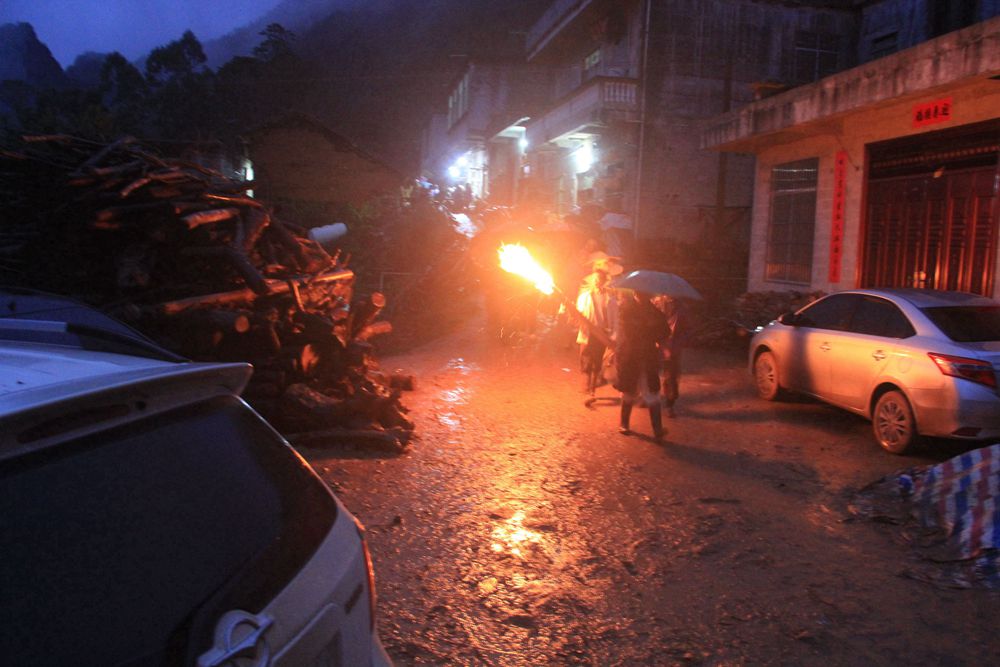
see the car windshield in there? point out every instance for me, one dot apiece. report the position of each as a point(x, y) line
point(113, 543)
point(967, 324)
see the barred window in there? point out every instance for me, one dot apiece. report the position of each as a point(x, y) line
point(816, 55)
point(885, 44)
point(793, 221)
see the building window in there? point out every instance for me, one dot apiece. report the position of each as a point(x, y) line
point(591, 64)
point(883, 45)
point(948, 15)
point(793, 221)
point(816, 55)
point(458, 101)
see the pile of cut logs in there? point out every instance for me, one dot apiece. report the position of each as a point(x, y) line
point(185, 255)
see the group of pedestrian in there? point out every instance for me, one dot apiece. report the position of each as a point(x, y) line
point(635, 337)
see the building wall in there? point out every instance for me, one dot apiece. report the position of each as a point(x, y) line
point(978, 101)
point(906, 23)
point(705, 58)
point(497, 94)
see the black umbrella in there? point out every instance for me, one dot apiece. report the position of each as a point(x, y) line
point(657, 282)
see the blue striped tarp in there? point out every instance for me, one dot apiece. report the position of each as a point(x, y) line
point(959, 499)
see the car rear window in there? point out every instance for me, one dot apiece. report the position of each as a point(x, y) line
point(115, 542)
point(967, 324)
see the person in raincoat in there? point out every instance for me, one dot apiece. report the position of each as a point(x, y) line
point(598, 303)
point(671, 349)
point(642, 327)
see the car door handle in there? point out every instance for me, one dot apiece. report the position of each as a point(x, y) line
point(825, 347)
point(878, 355)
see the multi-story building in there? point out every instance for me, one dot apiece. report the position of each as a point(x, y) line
point(479, 143)
point(637, 80)
point(722, 127)
point(885, 174)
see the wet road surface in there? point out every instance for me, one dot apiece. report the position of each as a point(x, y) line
point(521, 529)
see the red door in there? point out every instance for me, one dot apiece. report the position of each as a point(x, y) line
point(932, 231)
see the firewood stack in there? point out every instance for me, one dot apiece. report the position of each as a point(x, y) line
point(186, 256)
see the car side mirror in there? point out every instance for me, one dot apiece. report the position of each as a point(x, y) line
point(789, 319)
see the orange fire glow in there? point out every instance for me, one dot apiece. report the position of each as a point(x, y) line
point(515, 258)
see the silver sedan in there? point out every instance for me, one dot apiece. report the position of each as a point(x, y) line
point(914, 362)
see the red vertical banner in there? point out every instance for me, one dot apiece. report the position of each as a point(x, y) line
point(837, 218)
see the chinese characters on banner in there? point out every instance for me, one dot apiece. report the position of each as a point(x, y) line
point(929, 113)
point(837, 220)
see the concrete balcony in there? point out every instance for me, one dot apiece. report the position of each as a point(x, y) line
point(563, 20)
point(586, 110)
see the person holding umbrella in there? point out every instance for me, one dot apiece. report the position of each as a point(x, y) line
point(645, 331)
point(642, 328)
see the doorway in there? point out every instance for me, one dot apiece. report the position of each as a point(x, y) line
point(932, 211)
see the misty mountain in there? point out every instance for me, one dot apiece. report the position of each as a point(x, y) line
point(382, 67)
point(294, 15)
point(372, 70)
point(24, 58)
point(85, 72)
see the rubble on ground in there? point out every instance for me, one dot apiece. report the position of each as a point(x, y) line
point(949, 514)
point(187, 257)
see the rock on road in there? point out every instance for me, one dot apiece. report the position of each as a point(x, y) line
point(521, 529)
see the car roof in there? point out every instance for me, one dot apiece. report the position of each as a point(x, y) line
point(76, 359)
point(928, 298)
point(52, 392)
point(33, 375)
point(27, 365)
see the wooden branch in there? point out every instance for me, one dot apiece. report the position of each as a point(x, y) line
point(254, 223)
point(240, 262)
point(364, 311)
point(239, 201)
point(210, 216)
point(99, 156)
point(246, 295)
point(118, 168)
point(374, 329)
point(133, 186)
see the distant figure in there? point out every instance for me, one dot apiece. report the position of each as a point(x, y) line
point(617, 231)
point(597, 302)
point(671, 348)
point(641, 329)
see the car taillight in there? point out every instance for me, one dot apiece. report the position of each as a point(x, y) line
point(975, 370)
point(370, 571)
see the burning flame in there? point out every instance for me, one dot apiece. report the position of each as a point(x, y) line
point(515, 258)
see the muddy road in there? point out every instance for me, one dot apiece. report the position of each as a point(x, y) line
point(522, 529)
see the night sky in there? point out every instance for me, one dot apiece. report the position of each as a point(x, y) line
point(131, 27)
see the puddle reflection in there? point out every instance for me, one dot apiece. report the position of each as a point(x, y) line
point(512, 537)
point(462, 366)
point(458, 395)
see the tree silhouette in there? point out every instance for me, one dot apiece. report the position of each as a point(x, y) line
point(182, 91)
point(125, 93)
point(277, 43)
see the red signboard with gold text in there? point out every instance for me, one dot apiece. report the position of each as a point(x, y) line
point(837, 219)
point(928, 113)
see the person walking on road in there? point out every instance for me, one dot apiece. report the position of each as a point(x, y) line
point(671, 351)
point(598, 303)
point(642, 328)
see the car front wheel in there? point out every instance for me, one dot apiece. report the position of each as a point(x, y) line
point(765, 376)
point(893, 423)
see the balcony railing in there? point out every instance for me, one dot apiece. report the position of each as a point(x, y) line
point(600, 100)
